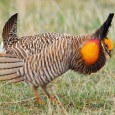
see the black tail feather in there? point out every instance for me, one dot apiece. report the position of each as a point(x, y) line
point(102, 32)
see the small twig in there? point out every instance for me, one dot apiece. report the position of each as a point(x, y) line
point(18, 101)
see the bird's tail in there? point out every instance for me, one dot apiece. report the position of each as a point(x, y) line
point(9, 34)
point(10, 68)
point(103, 30)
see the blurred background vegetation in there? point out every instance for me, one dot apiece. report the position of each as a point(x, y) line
point(79, 94)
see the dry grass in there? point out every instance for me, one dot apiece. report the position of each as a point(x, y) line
point(79, 94)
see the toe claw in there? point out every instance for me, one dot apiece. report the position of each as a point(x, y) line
point(40, 102)
point(54, 100)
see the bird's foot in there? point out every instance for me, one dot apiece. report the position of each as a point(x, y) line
point(39, 102)
point(53, 100)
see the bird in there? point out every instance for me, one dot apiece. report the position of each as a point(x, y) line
point(85, 54)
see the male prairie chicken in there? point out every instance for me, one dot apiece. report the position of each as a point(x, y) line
point(38, 66)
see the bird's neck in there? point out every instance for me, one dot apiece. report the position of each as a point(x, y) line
point(78, 64)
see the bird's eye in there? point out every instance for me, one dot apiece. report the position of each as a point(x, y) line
point(106, 45)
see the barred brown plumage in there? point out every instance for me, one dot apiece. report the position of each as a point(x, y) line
point(42, 58)
point(29, 44)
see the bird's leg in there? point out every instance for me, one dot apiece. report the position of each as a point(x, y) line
point(52, 99)
point(37, 96)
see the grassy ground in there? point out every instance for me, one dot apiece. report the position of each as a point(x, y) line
point(79, 94)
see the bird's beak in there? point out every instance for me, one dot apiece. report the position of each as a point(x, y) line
point(108, 51)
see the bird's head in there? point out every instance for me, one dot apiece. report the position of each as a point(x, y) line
point(91, 49)
point(108, 45)
point(101, 34)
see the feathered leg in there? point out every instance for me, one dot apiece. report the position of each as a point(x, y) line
point(52, 99)
point(37, 96)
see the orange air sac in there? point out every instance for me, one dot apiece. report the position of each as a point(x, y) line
point(90, 51)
